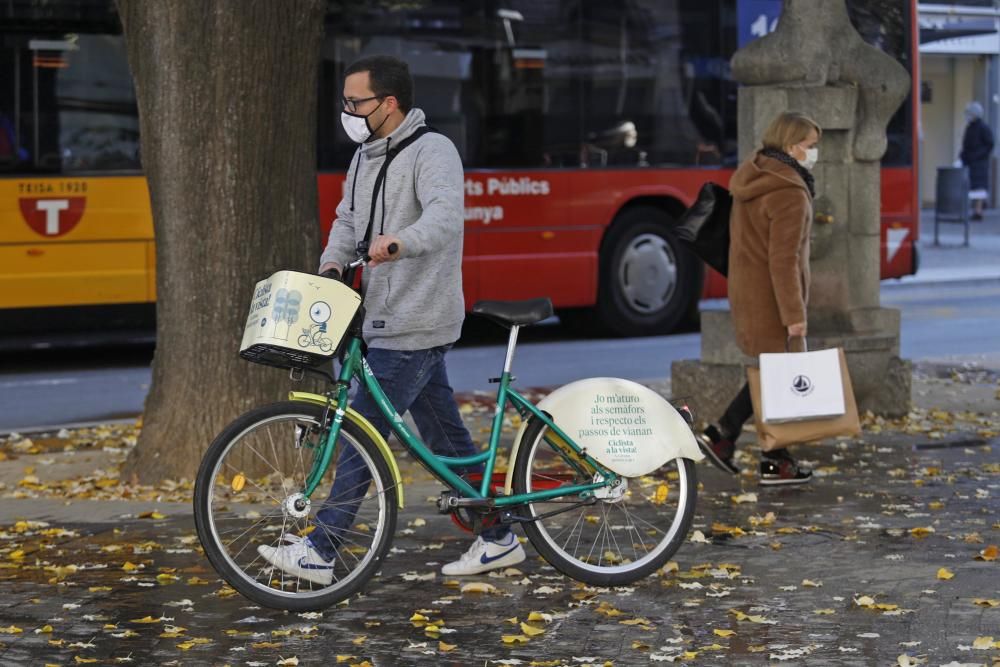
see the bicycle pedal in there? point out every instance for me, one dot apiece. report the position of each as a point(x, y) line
point(445, 502)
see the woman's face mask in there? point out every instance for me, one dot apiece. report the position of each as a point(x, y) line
point(357, 127)
point(812, 155)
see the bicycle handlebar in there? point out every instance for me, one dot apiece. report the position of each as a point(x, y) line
point(365, 258)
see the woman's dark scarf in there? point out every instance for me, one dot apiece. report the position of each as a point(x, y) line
point(782, 156)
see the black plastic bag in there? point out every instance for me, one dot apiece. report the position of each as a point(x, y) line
point(704, 228)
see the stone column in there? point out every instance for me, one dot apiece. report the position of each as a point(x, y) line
point(816, 62)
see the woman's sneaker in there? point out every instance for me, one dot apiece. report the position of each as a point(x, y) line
point(782, 469)
point(486, 555)
point(719, 450)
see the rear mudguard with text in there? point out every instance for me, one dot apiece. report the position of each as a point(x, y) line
point(623, 425)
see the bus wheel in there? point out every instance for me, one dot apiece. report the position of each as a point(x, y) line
point(648, 281)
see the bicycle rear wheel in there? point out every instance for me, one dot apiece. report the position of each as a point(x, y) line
point(624, 534)
point(248, 494)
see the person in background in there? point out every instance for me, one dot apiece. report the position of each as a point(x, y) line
point(414, 306)
point(977, 146)
point(769, 225)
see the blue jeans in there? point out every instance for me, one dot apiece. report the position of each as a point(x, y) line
point(414, 380)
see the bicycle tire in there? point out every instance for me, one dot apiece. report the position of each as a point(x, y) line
point(305, 340)
point(230, 536)
point(579, 542)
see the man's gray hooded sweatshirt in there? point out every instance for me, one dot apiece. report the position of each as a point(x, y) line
point(416, 301)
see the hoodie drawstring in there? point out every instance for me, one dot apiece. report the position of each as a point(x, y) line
point(385, 184)
point(354, 185)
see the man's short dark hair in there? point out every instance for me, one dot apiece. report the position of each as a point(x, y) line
point(388, 76)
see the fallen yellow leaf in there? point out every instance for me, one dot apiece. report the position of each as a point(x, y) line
point(514, 639)
point(989, 553)
point(444, 648)
point(945, 573)
point(662, 491)
point(531, 631)
point(724, 633)
point(478, 587)
point(239, 481)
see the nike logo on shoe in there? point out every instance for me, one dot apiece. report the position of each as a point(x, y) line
point(312, 566)
point(484, 559)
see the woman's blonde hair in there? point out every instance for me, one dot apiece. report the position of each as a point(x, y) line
point(788, 129)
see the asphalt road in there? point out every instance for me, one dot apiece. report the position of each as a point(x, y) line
point(948, 323)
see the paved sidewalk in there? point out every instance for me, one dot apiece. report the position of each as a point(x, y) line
point(950, 261)
point(886, 554)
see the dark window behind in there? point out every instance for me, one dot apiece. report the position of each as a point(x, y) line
point(67, 103)
point(885, 24)
point(514, 83)
point(552, 83)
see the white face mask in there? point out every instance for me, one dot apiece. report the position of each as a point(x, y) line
point(356, 127)
point(812, 154)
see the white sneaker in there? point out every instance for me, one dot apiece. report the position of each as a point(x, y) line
point(299, 559)
point(485, 555)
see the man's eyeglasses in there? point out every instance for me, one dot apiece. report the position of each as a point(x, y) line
point(351, 106)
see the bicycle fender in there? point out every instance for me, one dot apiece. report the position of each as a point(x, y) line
point(366, 426)
point(625, 426)
point(508, 484)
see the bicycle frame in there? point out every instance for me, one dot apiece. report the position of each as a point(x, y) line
point(355, 366)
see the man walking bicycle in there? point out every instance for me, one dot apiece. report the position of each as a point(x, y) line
point(410, 212)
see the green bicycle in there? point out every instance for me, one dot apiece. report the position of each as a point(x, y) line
point(602, 475)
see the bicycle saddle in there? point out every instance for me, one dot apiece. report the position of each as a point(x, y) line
point(514, 313)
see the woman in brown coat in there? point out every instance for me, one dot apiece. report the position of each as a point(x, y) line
point(768, 273)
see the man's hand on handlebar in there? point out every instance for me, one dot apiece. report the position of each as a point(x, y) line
point(384, 248)
point(331, 270)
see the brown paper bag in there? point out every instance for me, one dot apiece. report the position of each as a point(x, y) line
point(776, 436)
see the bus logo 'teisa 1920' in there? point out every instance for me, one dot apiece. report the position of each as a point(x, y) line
point(52, 216)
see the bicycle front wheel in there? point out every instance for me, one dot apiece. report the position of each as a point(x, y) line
point(621, 534)
point(248, 495)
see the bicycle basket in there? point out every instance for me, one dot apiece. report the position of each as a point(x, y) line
point(297, 319)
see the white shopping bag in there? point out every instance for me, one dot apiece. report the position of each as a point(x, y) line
point(797, 386)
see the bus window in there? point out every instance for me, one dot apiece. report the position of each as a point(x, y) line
point(652, 75)
point(497, 77)
point(69, 107)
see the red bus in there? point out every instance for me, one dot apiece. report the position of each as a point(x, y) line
point(585, 128)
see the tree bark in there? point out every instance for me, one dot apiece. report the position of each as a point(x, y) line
point(227, 106)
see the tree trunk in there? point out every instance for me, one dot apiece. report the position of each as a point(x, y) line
point(227, 106)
